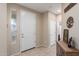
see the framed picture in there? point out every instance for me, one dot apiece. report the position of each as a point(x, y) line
point(69, 7)
point(65, 35)
point(70, 22)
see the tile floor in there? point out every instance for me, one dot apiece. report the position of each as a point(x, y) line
point(42, 51)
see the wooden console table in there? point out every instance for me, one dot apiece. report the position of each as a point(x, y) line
point(64, 50)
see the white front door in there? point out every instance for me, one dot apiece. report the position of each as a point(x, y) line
point(27, 29)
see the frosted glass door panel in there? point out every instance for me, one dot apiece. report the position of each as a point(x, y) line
point(13, 26)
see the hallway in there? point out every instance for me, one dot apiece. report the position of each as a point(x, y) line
point(27, 26)
point(51, 51)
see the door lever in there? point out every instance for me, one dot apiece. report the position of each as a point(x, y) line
point(22, 35)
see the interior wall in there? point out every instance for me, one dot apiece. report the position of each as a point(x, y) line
point(48, 37)
point(74, 31)
point(45, 30)
point(39, 30)
point(52, 29)
point(3, 29)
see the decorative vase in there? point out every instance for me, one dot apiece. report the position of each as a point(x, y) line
point(71, 43)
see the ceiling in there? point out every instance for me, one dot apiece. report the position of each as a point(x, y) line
point(43, 7)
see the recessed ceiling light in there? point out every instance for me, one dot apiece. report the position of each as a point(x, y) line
point(58, 11)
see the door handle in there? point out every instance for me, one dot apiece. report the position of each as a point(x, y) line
point(22, 35)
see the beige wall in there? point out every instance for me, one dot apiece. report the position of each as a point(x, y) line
point(39, 27)
point(45, 30)
point(3, 29)
point(52, 29)
point(47, 17)
point(74, 31)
